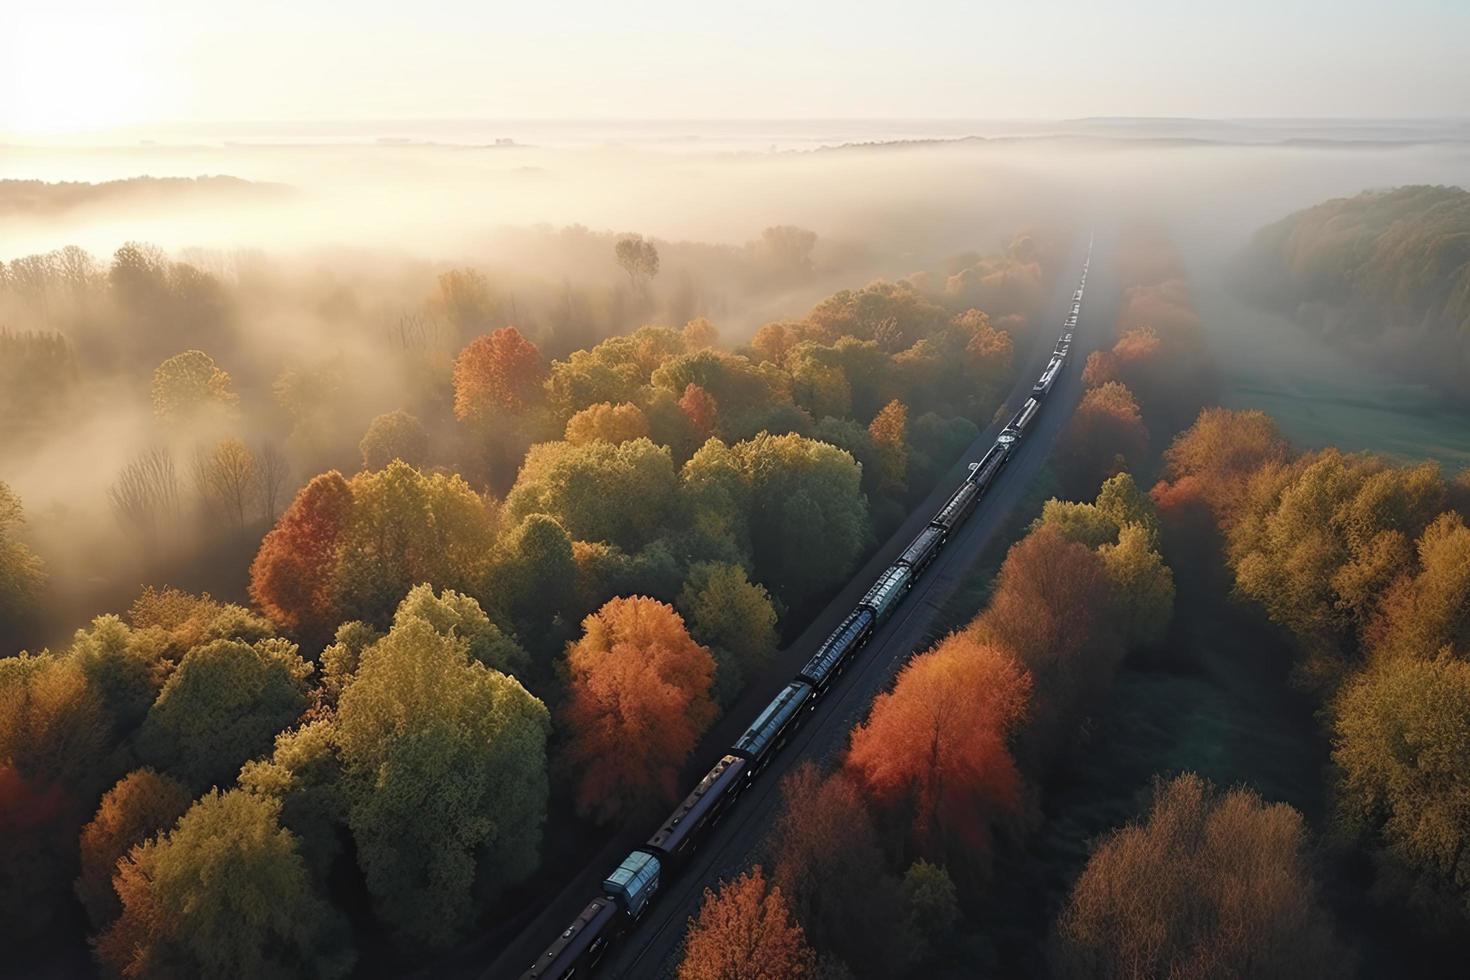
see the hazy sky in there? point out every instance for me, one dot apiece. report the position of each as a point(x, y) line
point(67, 65)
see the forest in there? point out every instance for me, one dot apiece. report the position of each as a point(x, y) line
point(349, 598)
point(927, 848)
point(480, 546)
point(1385, 274)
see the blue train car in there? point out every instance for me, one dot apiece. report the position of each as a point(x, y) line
point(634, 882)
point(832, 656)
point(772, 727)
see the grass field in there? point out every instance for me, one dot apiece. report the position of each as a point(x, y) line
point(1321, 396)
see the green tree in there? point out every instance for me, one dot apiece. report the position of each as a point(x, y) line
point(223, 705)
point(225, 893)
point(424, 730)
point(1430, 609)
point(608, 422)
point(304, 774)
point(407, 528)
point(341, 658)
point(732, 616)
point(21, 573)
point(638, 259)
point(805, 514)
point(1319, 541)
point(125, 667)
point(622, 494)
point(1143, 587)
point(1120, 500)
point(394, 435)
point(932, 905)
point(534, 581)
point(456, 615)
point(54, 747)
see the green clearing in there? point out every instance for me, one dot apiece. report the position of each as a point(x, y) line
point(1320, 395)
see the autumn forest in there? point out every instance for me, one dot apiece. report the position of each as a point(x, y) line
point(367, 595)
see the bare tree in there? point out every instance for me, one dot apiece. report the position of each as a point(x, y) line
point(273, 472)
point(146, 495)
point(227, 479)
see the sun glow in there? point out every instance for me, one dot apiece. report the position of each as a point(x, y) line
point(66, 71)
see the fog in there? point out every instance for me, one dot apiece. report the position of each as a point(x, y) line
point(323, 259)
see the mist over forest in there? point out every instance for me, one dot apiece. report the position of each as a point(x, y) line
point(341, 468)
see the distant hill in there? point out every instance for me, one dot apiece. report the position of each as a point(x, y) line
point(20, 198)
point(1385, 273)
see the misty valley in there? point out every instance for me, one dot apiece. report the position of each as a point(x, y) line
point(795, 548)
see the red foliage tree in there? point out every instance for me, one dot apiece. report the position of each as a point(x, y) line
point(292, 579)
point(1105, 436)
point(830, 867)
point(1052, 609)
point(936, 745)
point(639, 700)
point(499, 372)
point(746, 933)
point(699, 407)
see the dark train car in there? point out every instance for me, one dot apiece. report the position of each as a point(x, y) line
point(1012, 433)
point(990, 466)
point(772, 727)
point(832, 656)
point(922, 550)
point(579, 947)
point(1048, 377)
point(957, 508)
point(885, 594)
point(681, 833)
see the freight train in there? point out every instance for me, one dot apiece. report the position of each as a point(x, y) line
point(629, 890)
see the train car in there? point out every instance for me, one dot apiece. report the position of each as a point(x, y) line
point(885, 593)
point(581, 944)
point(921, 550)
point(680, 834)
point(1048, 377)
point(1012, 433)
point(957, 508)
point(832, 656)
point(772, 727)
point(634, 882)
point(990, 465)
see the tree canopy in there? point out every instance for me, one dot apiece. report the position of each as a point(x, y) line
point(745, 931)
point(225, 893)
point(639, 698)
point(425, 730)
point(1209, 885)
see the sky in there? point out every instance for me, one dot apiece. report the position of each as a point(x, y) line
point(69, 66)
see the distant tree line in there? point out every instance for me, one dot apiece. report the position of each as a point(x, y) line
point(1383, 274)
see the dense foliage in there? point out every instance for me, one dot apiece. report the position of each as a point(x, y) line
point(1210, 885)
point(1385, 273)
